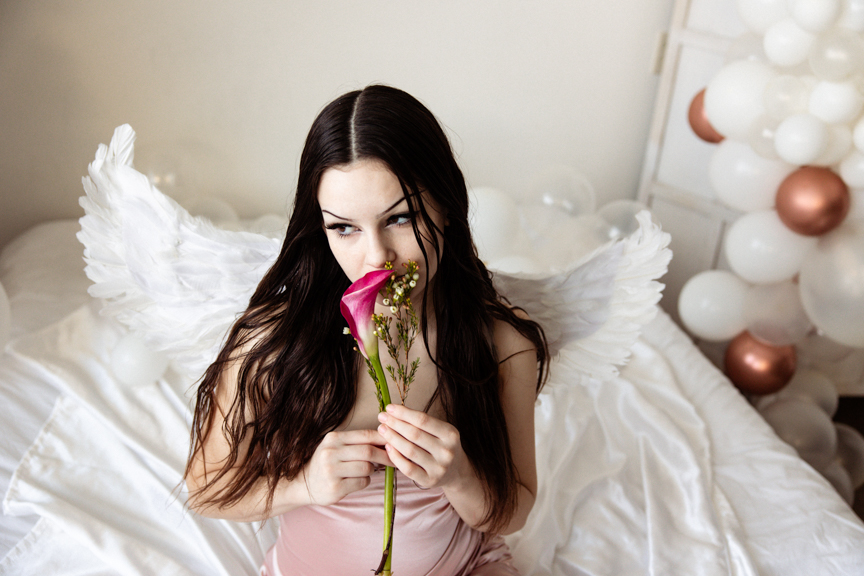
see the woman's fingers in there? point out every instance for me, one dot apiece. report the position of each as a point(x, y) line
point(406, 443)
point(356, 446)
point(424, 448)
point(408, 467)
point(365, 454)
point(354, 437)
point(420, 420)
point(343, 463)
point(433, 435)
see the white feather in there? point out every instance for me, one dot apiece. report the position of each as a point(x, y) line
point(599, 304)
point(174, 279)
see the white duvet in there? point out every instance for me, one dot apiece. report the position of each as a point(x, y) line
point(662, 470)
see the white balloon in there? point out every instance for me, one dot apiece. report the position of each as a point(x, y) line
point(758, 15)
point(216, 210)
point(856, 208)
point(593, 228)
point(835, 102)
point(494, 220)
point(787, 44)
point(852, 169)
point(809, 385)
point(832, 285)
point(5, 319)
point(839, 145)
point(734, 97)
point(836, 54)
point(773, 313)
point(850, 452)
point(762, 250)
point(744, 180)
point(848, 373)
point(620, 215)
point(840, 480)
point(801, 139)
point(761, 136)
point(135, 364)
point(556, 238)
point(566, 189)
point(747, 46)
point(786, 95)
point(817, 349)
point(711, 304)
point(852, 16)
point(805, 427)
point(814, 15)
point(858, 135)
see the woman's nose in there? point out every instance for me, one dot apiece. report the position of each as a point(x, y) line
point(379, 251)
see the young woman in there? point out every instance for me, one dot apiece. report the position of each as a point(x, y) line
point(287, 421)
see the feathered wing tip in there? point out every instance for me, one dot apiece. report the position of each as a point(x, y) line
point(645, 258)
point(172, 278)
point(598, 305)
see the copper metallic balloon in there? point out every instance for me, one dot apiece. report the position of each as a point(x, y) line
point(812, 200)
point(699, 120)
point(757, 367)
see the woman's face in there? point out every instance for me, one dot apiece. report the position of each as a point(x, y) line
point(368, 222)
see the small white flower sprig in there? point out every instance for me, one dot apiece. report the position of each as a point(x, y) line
point(397, 295)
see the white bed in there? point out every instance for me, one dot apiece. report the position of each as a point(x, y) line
point(663, 469)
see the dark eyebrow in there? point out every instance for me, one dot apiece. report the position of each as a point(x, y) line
point(335, 215)
point(403, 199)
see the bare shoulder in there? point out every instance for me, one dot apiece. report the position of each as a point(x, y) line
point(228, 382)
point(517, 368)
point(512, 344)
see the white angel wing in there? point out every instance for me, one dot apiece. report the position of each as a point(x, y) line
point(172, 278)
point(599, 304)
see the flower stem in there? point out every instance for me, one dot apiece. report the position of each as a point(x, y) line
point(390, 472)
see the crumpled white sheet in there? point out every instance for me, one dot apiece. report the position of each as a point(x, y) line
point(791, 519)
point(106, 468)
point(26, 404)
point(48, 549)
point(626, 480)
point(662, 470)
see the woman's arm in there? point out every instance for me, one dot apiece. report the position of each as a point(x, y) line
point(429, 451)
point(342, 463)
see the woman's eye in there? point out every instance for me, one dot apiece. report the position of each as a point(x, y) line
point(400, 219)
point(341, 229)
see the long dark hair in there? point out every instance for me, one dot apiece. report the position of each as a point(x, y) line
point(297, 378)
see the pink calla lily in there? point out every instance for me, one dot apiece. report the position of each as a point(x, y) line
point(358, 305)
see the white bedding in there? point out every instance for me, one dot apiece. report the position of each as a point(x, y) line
point(662, 470)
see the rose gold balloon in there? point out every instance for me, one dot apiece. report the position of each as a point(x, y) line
point(757, 367)
point(699, 120)
point(812, 200)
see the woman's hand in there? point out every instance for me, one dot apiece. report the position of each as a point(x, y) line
point(343, 463)
point(425, 449)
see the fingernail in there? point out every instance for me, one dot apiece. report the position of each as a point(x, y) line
point(382, 416)
point(390, 407)
point(381, 429)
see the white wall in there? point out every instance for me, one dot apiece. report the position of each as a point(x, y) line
point(223, 93)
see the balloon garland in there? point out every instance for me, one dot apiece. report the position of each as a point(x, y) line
point(786, 117)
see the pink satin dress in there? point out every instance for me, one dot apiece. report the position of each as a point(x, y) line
point(345, 539)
